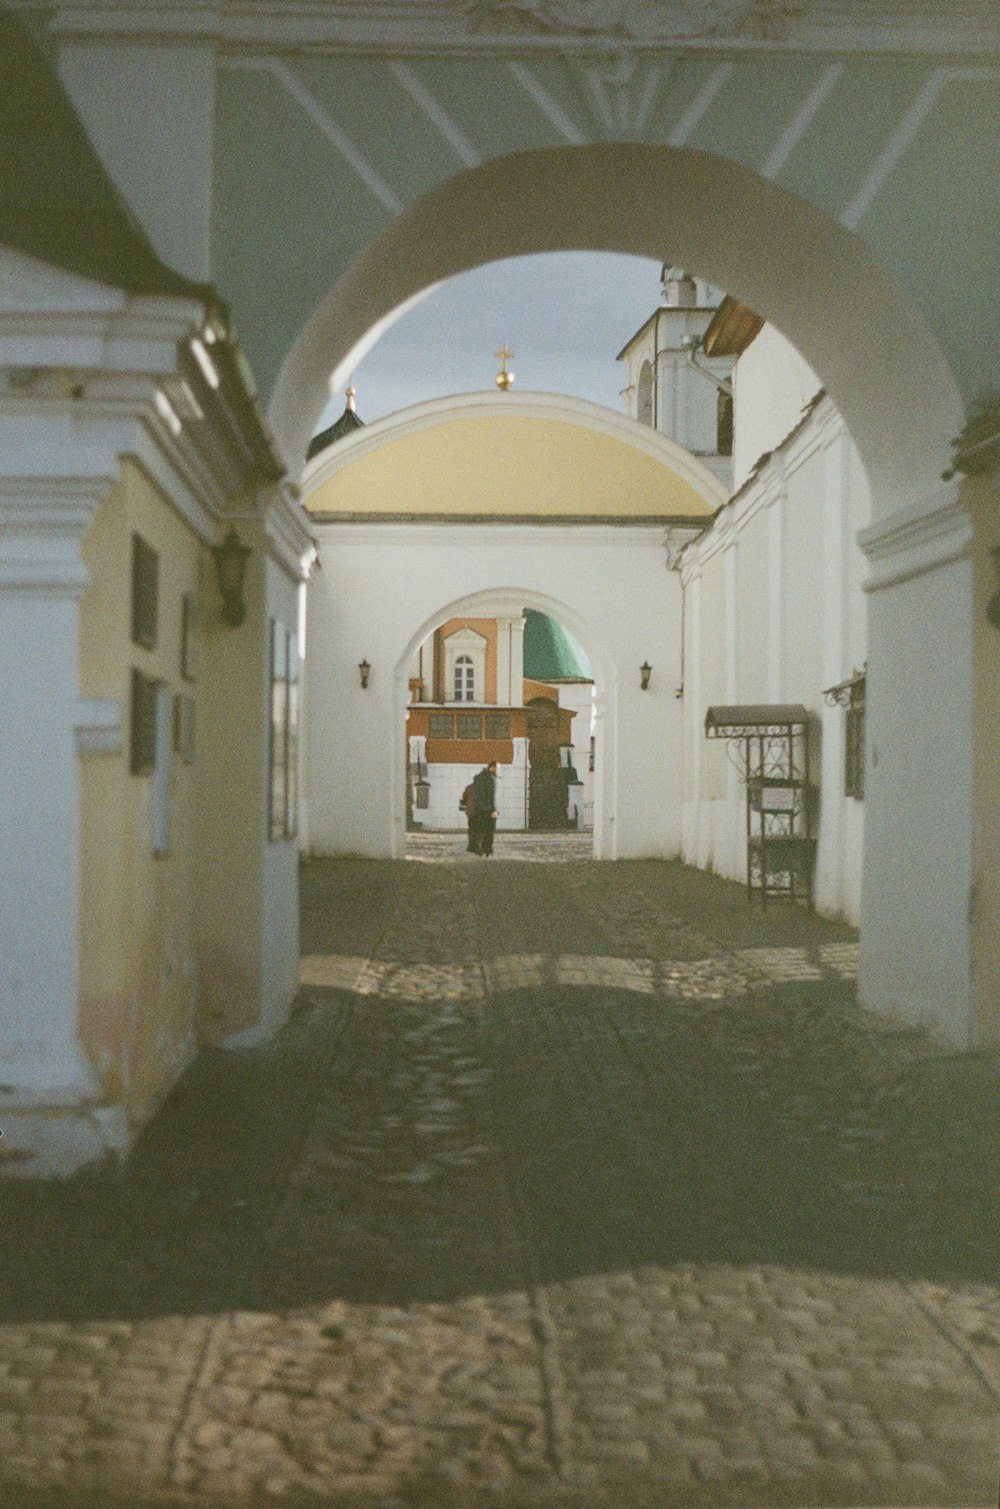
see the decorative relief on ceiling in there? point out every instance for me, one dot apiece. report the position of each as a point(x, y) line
point(636, 20)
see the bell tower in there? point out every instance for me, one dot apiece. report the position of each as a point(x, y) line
point(670, 385)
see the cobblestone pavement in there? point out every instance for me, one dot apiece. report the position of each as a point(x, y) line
point(436, 847)
point(580, 1187)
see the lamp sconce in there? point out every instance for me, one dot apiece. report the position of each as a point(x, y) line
point(993, 606)
point(645, 671)
point(364, 671)
point(231, 559)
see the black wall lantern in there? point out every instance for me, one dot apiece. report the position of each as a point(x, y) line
point(231, 559)
point(645, 671)
point(364, 671)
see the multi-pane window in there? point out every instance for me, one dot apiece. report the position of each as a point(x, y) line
point(440, 726)
point(470, 726)
point(498, 725)
point(465, 679)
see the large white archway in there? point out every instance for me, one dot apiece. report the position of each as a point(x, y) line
point(803, 271)
point(842, 308)
point(488, 603)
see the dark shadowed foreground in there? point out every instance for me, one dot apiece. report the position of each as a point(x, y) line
point(568, 1184)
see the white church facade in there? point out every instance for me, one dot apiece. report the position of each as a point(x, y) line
point(758, 602)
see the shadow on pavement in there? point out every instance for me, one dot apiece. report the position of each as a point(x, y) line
point(609, 1131)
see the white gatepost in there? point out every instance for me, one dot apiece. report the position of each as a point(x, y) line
point(44, 1073)
point(829, 881)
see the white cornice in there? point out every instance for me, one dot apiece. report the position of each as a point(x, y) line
point(931, 533)
point(390, 534)
point(43, 520)
point(520, 27)
point(816, 431)
point(289, 532)
point(552, 407)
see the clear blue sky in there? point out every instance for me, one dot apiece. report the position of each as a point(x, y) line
point(565, 314)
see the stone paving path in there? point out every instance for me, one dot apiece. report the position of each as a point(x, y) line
point(580, 1187)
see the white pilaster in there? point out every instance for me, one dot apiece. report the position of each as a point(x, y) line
point(43, 1070)
point(775, 588)
point(917, 887)
point(829, 881)
point(692, 689)
point(517, 661)
point(734, 787)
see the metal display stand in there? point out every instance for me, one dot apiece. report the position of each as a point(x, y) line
point(769, 744)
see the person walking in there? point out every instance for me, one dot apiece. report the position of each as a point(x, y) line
point(482, 823)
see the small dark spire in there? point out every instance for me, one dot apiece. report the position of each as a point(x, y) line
point(345, 425)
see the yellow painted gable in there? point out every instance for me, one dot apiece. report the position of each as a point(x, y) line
point(508, 466)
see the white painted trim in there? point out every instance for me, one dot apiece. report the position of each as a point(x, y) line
point(802, 120)
point(502, 602)
point(699, 106)
point(436, 113)
point(775, 500)
point(288, 530)
point(42, 524)
point(904, 134)
point(550, 108)
point(542, 406)
point(325, 123)
point(929, 534)
point(98, 726)
point(654, 78)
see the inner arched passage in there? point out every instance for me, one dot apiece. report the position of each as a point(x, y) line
point(805, 273)
point(507, 604)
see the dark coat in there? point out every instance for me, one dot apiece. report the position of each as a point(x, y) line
point(484, 787)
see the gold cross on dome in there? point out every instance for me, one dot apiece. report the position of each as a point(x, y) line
point(504, 378)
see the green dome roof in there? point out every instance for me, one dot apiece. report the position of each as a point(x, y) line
point(550, 654)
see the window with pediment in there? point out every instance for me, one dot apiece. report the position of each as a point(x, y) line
point(465, 666)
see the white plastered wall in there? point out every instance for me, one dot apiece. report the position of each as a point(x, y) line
point(383, 587)
point(775, 612)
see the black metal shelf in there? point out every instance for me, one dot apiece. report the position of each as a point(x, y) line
point(771, 746)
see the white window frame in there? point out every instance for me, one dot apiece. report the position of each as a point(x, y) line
point(465, 643)
point(464, 671)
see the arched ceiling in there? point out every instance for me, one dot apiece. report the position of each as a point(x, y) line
point(884, 115)
point(330, 117)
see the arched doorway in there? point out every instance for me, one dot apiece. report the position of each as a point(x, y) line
point(823, 288)
point(547, 747)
